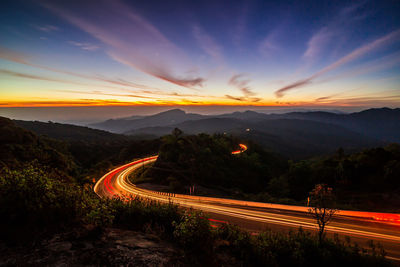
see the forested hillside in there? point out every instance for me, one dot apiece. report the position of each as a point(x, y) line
point(207, 160)
point(78, 152)
point(19, 146)
point(69, 132)
point(364, 180)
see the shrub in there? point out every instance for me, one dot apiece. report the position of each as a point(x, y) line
point(297, 248)
point(137, 212)
point(30, 199)
point(194, 232)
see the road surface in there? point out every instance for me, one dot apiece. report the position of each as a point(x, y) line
point(256, 216)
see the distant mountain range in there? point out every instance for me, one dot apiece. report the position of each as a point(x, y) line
point(382, 124)
point(166, 118)
point(294, 134)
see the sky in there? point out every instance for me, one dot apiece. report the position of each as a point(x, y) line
point(339, 54)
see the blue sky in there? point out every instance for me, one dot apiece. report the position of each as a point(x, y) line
point(168, 53)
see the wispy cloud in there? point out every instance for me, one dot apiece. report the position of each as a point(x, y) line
point(84, 46)
point(208, 44)
point(36, 77)
point(383, 63)
point(52, 79)
point(269, 45)
point(355, 54)
point(242, 84)
point(243, 98)
point(120, 84)
point(143, 94)
point(104, 93)
point(46, 28)
point(337, 29)
point(281, 92)
point(14, 56)
point(66, 103)
point(160, 72)
point(22, 58)
point(362, 100)
point(317, 42)
point(238, 98)
point(241, 24)
point(326, 98)
point(130, 38)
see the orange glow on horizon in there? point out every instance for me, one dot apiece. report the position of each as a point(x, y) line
point(133, 103)
point(113, 102)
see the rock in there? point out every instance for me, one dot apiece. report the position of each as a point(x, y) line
point(115, 247)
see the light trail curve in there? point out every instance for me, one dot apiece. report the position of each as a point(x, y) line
point(361, 226)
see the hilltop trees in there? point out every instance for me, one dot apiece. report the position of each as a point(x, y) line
point(207, 160)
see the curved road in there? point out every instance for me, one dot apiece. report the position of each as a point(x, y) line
point(255, 216)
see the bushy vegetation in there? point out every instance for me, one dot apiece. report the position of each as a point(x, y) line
point(205, 245)
point(34, 201)
point(193, 231)
point(296, 248)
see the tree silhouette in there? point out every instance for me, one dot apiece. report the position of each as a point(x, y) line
point(177, 132)
point(322, 207)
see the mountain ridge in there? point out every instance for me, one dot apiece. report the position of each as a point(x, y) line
point(378, 123)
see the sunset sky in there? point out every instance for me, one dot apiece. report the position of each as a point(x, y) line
point(251, 53)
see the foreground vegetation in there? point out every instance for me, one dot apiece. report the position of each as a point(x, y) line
point(34, 201)
point(46, 188)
